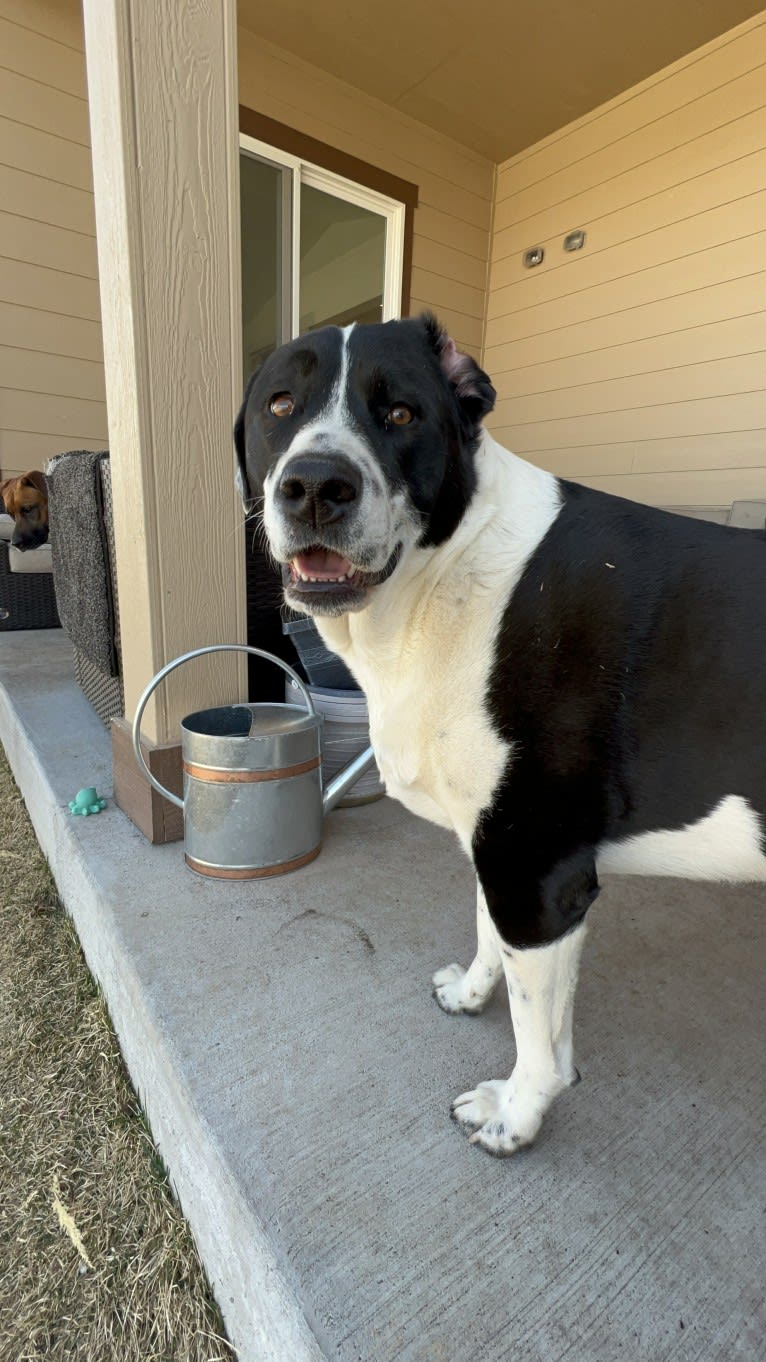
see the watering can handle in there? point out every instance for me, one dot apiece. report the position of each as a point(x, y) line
point(177, 662)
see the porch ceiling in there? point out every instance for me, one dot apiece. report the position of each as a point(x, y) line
point(496, 75)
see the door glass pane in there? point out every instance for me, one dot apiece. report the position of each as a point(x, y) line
point(342, 261)
point(264, 209)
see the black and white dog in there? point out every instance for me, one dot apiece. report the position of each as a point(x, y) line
point(572, 682)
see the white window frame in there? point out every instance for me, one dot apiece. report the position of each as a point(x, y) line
point(306, 172)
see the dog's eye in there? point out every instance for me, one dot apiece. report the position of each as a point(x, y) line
point(400, 415)
point(282, 405)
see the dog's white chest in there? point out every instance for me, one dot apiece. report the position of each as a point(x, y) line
point(440, 756)
point(436, 748)
point(407, 754)
point(424, 649)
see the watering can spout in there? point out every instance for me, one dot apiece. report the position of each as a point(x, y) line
point(347, 777)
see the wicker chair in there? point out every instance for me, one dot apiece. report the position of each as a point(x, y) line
point(27, 599)
point(100, 683)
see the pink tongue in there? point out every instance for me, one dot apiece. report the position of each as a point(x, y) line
point(322, 563)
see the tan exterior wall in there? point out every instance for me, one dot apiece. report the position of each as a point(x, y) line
point(453, 219)
point(51, 369)
point(638, 364)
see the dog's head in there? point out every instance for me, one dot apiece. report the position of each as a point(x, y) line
point(361, 442)
point(26, 499)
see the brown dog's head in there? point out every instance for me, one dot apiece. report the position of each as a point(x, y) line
point(26, 499)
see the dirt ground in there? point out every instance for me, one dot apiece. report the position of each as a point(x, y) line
point(96, 1261)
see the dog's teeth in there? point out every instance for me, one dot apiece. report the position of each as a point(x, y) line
point(337, 581)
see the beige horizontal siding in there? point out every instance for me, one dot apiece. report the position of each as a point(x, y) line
point(680, 384)
point(611, 243)
point(28, 50)
point(650, 104)
point(728, 301)
point(63, 376)
point(56, 20)
point(38, 105)
point(714, 488)
point(449, 261)
point(742, 411)
point(453, 217)
point(684, 454)
point(60, 205)
point(51, 414)
point(446, 291)
point(718, 127)
point(48, 289)
point(21, 450)
point(739, 257)
point(51, 367)
point(640, 362)
point(54, 333)
point(40, 243)
point(709, 341)
point(43, 153)
point(443, 229)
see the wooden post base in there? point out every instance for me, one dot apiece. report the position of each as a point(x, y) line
point(157, 818)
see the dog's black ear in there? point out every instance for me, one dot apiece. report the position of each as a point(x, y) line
point(241, 478)
point(470, 384)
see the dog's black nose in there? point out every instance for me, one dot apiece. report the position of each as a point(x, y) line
point(29, 539)
point(318, 491)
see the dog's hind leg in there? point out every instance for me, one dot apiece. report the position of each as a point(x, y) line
point(507, 1114)
point(469, 990)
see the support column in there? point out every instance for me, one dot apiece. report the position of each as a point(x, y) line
point(162, 85)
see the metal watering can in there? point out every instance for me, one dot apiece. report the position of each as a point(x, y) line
point(253, 800)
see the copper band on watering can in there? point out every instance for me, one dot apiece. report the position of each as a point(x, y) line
point(252, 872)
point(217, 775)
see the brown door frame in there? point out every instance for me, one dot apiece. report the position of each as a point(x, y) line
point(295, 143)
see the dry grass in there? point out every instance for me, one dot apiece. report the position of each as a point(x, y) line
point(96, 1262)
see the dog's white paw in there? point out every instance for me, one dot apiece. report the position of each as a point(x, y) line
point(455, 991)
point(501, 1120)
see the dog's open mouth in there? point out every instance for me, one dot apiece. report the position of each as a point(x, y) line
point(323, 579)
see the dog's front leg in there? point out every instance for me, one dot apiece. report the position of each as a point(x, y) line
point(469, 990)
point(506, 1114)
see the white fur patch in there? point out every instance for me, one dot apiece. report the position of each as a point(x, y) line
point(469, 990)
point(506, 1114)
point(423, 648)
point(726, 845)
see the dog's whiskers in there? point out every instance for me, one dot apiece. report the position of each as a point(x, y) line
point(255, 514)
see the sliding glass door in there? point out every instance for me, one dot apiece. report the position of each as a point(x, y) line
point(316, 250)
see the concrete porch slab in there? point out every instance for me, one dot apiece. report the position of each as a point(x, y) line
point(297, 1076)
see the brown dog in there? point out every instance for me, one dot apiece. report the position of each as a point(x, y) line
point(26, 499)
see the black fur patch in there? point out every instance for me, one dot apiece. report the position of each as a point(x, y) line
point(629, 676)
